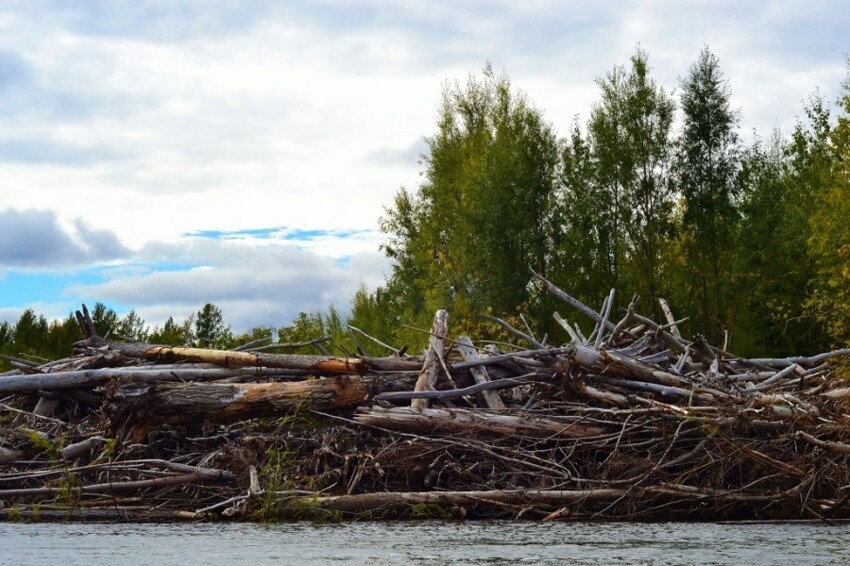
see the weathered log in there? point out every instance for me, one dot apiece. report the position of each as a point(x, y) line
point(45, 406)
point(220, 402)
point(111, 514)
point(469, 353)
point(462, 421)
point(518, 499)
point(142, 374)
point(120, 487)
point(575, 303)
point(9, 455)
point(433, 358)
point(318, 364)
point(82, 448)
point(607, 362)
point(477, 389)
point(232, 359)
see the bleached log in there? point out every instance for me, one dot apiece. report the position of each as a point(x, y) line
point(479, 374)
point(433, 358)
point(463, 421)
point(220, 402)
point(671, 320)
point(520, 498)
point(199, 476)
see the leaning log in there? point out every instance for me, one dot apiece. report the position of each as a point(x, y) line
point(469, 353)
point(433, 359)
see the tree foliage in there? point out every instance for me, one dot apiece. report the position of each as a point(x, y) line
point(210, 330)
point(478, 224)
point(706, 166)
point(829, 240)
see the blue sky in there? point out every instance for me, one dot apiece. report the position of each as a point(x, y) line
point(158, 155)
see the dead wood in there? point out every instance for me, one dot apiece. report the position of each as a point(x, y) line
point(634, 421)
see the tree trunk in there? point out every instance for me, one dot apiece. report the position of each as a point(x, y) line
point(433, 359)
point(185, 403)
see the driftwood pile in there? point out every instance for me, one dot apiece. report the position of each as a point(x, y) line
point(633, 422)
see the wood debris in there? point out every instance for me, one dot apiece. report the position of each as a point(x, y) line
point(633, 422)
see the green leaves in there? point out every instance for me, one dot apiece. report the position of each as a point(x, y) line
point(705, 166)
point(481, 218)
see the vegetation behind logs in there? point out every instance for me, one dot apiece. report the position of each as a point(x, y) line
point(632, 422)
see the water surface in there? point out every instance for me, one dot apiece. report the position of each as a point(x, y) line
point(423, 543)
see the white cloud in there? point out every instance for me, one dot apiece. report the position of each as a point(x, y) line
point(149, 119)
point(253, 285)
point(33, 239)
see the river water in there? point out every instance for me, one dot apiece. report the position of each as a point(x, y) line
point(423, 543)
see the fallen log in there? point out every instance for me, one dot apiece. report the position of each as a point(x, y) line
point(32, 382)
point(520, 498)
point(481, 388)
point(178, 403)
point(120, 487)
point(462, 421)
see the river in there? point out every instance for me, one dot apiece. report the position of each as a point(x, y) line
point(423, 543)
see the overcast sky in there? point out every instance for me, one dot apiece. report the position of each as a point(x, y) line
point(159, 155)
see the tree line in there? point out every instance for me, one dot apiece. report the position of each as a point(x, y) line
point(32, 338)
point(655, 195)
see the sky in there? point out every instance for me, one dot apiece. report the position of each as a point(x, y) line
point(159, 155)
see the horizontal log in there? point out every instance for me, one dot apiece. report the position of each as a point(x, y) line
point(231, 359)
point(370, 502)
point(29, 383)
point(229, 402)
point(119, 487)
point(226, 358)
point(461, 421)
point(485, 387)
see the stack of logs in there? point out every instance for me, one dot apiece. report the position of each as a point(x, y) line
point(633, 422)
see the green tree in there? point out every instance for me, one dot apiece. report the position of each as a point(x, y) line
point(482, 216)
point(309, 326)
point(829, 242)
point(6, 333)
point(706, 166)
point(210, 330)
point(775, 270)
point(256, 333)
point(6, 340)
point(132, 328)
point(30, 333)
point(174, 334)
point(105, 320)
point(61, 335)
point(629, 138)
point(369, 313)
point(584, 259)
